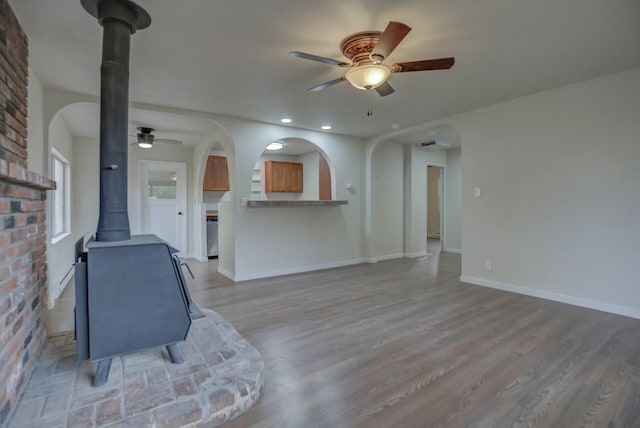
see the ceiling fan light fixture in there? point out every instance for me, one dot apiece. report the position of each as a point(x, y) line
point(368, 76)
point(145, 139)
point(276, 145)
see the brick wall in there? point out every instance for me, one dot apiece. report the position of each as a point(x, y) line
point(23, 269)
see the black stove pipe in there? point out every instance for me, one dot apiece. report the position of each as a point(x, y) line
point(119, 19)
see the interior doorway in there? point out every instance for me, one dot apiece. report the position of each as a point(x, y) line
point(163, 188)
point(435, 218)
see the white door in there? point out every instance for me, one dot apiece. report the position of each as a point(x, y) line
point(163, 188)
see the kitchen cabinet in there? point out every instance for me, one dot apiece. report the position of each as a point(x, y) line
point(283, 177)
point(216, 175)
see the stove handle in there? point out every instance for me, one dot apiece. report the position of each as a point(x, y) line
point(188, 269)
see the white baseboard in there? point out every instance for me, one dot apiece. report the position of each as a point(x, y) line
point(556, 297)
point(298, 269)
point(390, 257)
point(224, 272)
point(57, 291)
point(453, 250)
point(416, 255)
point(201, 259)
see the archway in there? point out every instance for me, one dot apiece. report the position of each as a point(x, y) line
point(312, 178)
point(396, 176)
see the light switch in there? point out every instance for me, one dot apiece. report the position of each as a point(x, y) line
point(476, 192)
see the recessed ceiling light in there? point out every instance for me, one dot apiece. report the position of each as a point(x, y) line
point(285, 120)
point(325, 127)
point(276, 145)
point(395, 126)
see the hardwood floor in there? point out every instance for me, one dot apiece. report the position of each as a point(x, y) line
point(403, 343)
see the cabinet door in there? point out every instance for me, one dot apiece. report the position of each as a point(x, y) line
point(216, 175)
point(283, 177)
point(278, 177)
point(294, 178)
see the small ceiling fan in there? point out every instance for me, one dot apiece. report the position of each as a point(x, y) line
point(367, 52)
point(145, 139)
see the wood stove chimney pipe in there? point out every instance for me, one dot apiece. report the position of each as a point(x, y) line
point(119, 19)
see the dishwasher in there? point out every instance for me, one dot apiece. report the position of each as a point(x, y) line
point(212, 238)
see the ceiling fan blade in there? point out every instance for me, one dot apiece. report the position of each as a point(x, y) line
point(427, 64)
point(385, 89)
point(167, 141)
point(331, 61)
point(326, 84)
point(390, 38)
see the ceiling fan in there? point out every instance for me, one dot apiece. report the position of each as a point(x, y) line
point(367, 52)
point(145, 139)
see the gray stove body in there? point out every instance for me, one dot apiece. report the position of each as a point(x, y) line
point(130, 296)
point(137, 299)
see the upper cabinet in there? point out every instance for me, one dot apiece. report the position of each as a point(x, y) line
point(283, 177)
point(216, 175)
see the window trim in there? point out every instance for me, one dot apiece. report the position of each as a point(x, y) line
point(66, 194)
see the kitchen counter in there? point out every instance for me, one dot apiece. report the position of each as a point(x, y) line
point(291, 203)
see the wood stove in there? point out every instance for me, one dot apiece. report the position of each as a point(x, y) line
point(131, 294)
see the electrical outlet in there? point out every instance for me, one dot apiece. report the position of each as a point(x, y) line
point(488, 265)
point(476, 192)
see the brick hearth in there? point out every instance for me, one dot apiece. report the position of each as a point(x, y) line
point(221, 378)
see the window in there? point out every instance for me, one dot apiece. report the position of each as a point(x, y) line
point(60, 203)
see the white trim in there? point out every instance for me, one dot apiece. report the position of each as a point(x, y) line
point(224, 272)
point(556, 297)
point(415, 255)
point(389, 257)
point(443, 200)
point(453, 250)
point(59, 238)
point(201, 259)
point(299, 269)
point(65, 186)
point(57, 290)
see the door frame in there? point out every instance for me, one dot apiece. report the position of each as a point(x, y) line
point(443, 200)
point(181, 196)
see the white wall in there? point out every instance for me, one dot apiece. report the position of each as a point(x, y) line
point(453, 202)
point(268, 241)
point(36, 151)
point(399, 217)
point(86, 187)
point(86, 181)
point(559, 173)
point(272, 241)
point(310, 176)
point(60, 255)
point(387, 215)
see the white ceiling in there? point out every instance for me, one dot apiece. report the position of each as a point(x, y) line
point(231, 57)
point(83, 120)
